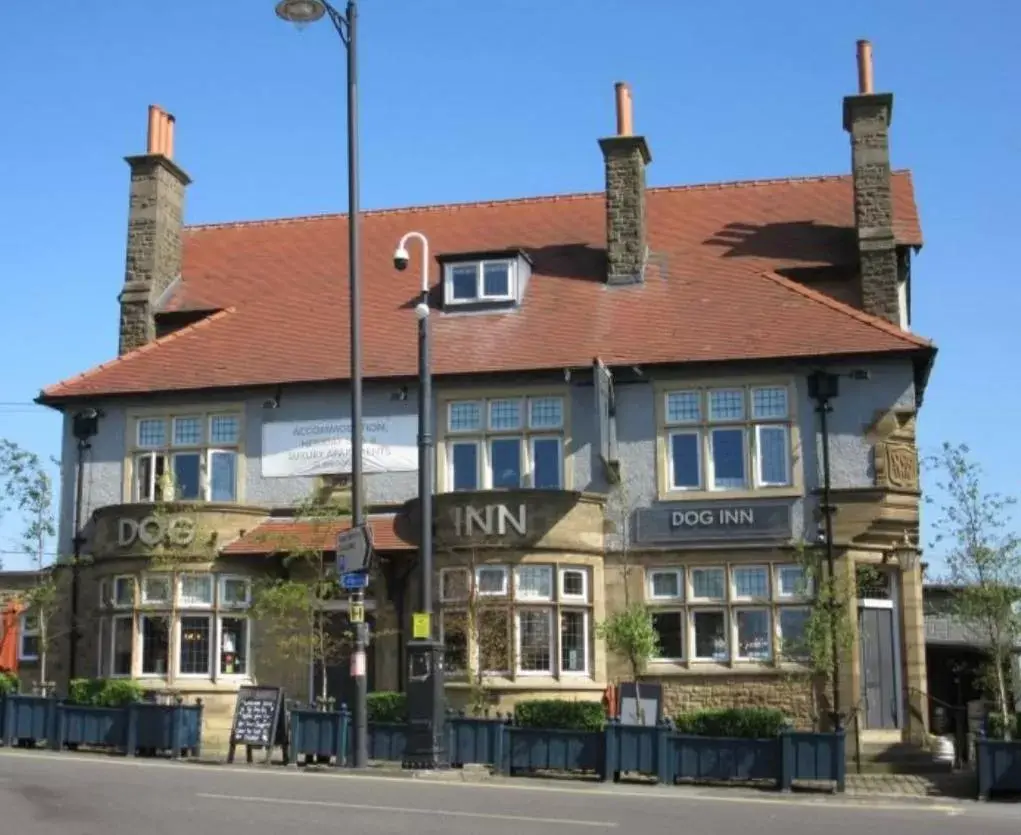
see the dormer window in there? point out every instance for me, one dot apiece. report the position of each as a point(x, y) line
point(472, 282)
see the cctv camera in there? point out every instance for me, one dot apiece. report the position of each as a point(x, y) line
point(401, 258)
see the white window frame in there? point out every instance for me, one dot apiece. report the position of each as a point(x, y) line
point(475, 646)
point(205, 448)
point(750, 425)
point(573, 598)
point(130, 618)
point(213, 646)
point(223, 579)
point(550, 612)
point(480, 295)
point(778, 584)
point(558, 660)
point(770, 628)
point(743, 598)
point(506, 581)
point(699, 459)
point(114, 602)
point(778, 633)
point(712, 601)
point(140, 631)
point(102, 646)
point(104, 593)
point(682, 614)
point(233, 614)
point(483, 436)
point(25, 632)
point(532, 598)
point(166, 578)
point(450, 572)
point(650, 588)
point(692, 643)
point(182, 603)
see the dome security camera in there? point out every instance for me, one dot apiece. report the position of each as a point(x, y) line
point(401, 258)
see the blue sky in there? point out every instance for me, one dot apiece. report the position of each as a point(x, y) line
point(465, 100)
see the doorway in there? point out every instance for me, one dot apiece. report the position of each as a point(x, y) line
point(879, 650)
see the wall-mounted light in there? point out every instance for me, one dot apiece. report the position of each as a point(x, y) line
point(274, 401)
point(85, 425)
point(401, 394)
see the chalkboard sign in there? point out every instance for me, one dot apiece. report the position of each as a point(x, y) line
point(259, 722)
point(652, 703)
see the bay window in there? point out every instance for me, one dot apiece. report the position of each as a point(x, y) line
point(505, 442)
point(194, 625)
point(726, 439)
point(526, 620)
point(740, 613)
point(30, 637)
point(199, 452)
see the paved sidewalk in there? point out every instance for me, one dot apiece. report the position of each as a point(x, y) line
point(958, 785)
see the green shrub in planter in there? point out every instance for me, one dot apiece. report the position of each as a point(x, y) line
point(387, 707)
point(994, 727)
point(741, 722)
point(101, 692)
point(9, 683)
point(560, 715)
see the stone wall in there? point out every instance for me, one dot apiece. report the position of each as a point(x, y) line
point(791, 694)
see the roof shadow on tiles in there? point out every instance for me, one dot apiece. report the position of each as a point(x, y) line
point(791, 241)
point(578, 261)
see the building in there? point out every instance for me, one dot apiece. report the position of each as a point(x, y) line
point(623, 414)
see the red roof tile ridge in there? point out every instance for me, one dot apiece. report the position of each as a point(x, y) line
point(138, 352)
point(853, 312)
point(524, 201)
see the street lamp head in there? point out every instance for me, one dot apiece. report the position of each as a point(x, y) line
point(401, 258)
point(300, 12)
point(421, 311)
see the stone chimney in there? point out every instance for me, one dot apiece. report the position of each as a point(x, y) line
point(155, 218)
point(626, 156)
point(867, 118)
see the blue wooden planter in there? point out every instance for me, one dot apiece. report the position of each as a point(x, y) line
point(474, 740)
point(637, 749)
point(998, 767)
point(813, 756)
point(386, 741)
point(99, 727)
point(176, 729)
point(30, 720)
point(538, 749)
point(317, 733)
point(722, 759)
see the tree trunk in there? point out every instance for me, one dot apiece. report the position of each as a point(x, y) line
point(1001, 687)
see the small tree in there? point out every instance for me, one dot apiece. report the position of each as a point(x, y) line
point(830, 628)
point(631, 634)
point(983, 556)
point(29, 489)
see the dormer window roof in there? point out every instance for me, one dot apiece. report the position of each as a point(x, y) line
point(484, 281)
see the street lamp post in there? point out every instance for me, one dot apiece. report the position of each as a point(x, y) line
point(303, 12)
point(823, 387)
point(425, 654)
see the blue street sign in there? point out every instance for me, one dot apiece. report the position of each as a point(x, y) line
point(354, 580)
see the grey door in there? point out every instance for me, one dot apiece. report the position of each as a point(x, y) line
point(879, 693)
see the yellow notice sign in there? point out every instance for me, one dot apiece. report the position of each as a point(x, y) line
point(356, 612)
point(421, 628)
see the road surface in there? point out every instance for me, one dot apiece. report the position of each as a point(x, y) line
point(66, 794)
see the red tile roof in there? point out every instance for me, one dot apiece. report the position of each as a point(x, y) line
point(282, 535)
point(282, 291)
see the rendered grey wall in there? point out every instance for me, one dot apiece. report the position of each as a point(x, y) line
point(890, 384)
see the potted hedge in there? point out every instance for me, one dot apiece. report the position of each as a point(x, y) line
point(555, 735)
point(998, 757)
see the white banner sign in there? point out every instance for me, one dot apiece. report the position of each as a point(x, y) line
point(321, 447)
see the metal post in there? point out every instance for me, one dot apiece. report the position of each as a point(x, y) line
point(824, 408)
point(425, 460)
point(361, 755)
point(77, 542)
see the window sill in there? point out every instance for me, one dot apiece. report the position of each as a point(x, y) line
point(731, 495)
point(712, 668)
point(572, 681)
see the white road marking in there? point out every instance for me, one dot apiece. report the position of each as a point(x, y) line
point(446, 813)
point(865, 804)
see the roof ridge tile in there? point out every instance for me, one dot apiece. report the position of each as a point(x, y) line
point(137, 352)
point(853, 312)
